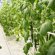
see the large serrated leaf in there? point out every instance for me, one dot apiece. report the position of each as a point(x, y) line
point(44, 48)
point(51, 50)
point(46, 27)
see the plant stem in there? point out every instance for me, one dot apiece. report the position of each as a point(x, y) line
point(31, 29)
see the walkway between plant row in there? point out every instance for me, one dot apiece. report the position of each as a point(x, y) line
point(10, 46)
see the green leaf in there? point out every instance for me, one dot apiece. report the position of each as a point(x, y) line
point(51, 50)
point(27, 47)
point(52, 5)
point(31, 1)
point(45, 47)
point(46, 27)
point(26, 35)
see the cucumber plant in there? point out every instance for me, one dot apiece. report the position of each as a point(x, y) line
point(31, 19)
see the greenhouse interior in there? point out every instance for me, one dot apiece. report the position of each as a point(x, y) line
point(27, 27)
